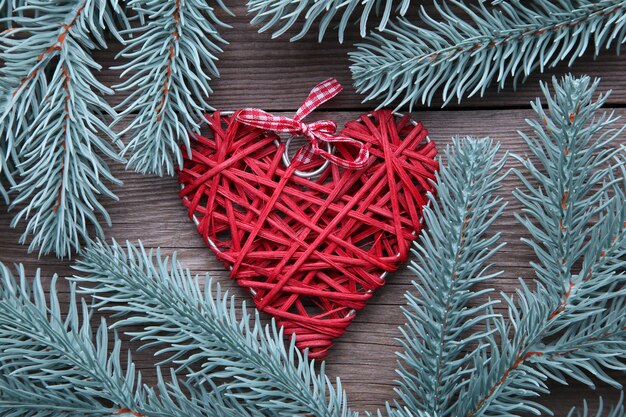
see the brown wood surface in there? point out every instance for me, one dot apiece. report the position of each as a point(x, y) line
point(276, 75)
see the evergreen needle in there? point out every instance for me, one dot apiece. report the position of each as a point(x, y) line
point(51, 120)
point(464, 48)
point(172, 58)
point(285, 13)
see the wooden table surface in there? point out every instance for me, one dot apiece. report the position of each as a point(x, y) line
point(276, 75)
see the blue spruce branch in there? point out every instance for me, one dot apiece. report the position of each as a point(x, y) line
point(51, 113)
point(453, 56)
point(55, 365)
point(572, 143)
point(172, 54)
point(200, 327)
point(451, 258)
point(7, 162)
point(574, 324)
point(285, 13)
point(556, 341)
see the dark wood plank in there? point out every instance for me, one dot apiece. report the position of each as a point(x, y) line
point(149, 210)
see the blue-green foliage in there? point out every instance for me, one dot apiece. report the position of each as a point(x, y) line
point(51, 120)
point(450, 260)
point(6, 169)
point(567, 187)
point(285, 13)
point(56, 135)
point(467, 46)
point(172, 52)
point(460, 357)
point(58, 365)
point(200, 328)
point(615, 411)
point(573, 325)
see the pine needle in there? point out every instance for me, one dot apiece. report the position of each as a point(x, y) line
point(51, 111)
point(172, 58)
point(464, 48)
point(284, 14)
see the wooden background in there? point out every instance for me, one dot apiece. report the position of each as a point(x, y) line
point(276, 75)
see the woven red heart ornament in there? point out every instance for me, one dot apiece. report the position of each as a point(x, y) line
point(311, 250)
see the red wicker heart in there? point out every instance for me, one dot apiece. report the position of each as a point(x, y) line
point(310, 250)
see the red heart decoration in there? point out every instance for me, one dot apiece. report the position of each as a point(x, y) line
point(310, 250)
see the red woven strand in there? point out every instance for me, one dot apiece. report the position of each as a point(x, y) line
point(311, 251)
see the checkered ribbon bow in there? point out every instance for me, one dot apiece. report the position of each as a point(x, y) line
point(316, 132)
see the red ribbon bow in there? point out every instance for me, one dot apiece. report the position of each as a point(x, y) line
point(321, 131)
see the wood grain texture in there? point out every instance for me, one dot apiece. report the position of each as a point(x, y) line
point(276, 75)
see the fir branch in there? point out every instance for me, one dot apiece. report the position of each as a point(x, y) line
point(506, 381)
point(590, 320)
point(454, 57)
point(451, 258)
point(172, 60)
point(616, 411)
point(58, 363)
point(200, 327)
point(63, 174)
point(573, 145)
point(50, 116)
point(285, 13)
point(580, 331)
point(594, 340)
point(576, 187)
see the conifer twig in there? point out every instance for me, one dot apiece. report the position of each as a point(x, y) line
point(172, 57)
point(456, 56)
point(574, 324)
point(51, 113)
point(450, 259)
point(208, 334)
point(53, 365)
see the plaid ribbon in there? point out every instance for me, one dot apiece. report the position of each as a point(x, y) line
point(316, 132)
